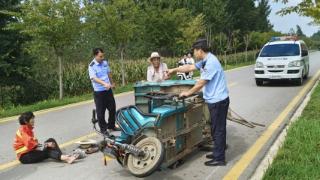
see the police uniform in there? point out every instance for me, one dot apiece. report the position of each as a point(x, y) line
point(103, 98)
point(216, 95)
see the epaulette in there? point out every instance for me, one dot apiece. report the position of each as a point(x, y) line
point(204, 63)
point(92, 63)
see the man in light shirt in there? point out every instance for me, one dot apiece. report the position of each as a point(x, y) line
point(157, 70)
point(215, 93)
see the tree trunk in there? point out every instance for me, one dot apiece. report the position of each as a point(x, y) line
point(246, 53)
point(2, 98)
point(60, 78)
point(122, 67)
point(225, 60)
point(246, 39)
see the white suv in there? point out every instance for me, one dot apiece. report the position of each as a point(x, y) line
point(282, 58)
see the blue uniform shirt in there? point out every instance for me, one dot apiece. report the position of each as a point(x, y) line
point(216, 88)
point(101, 71)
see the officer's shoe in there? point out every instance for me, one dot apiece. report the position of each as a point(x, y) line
point(210, 156)
point(215, 163)
point(105, 132)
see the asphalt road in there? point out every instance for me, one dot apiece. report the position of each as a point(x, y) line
point(259, 104)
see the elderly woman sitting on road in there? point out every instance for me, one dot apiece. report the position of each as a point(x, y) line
point(157, 70)
point(27, 148)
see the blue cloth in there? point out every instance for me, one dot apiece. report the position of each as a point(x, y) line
point(101, 71)
point(216, 88)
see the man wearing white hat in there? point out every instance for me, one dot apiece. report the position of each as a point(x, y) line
point(157, 70)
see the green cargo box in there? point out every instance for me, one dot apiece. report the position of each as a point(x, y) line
point(170, 86)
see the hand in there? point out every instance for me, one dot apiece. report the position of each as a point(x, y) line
point(107, 86)
point(166, 75)
point(49, 144)
point(184, 94)
point(170, 71)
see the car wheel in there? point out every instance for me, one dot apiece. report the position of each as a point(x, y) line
point(299, 81)
point(259, 82)
point(307, 74)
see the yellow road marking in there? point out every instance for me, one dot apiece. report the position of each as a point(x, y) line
point(238, 68)
point(9, 165)
point(107, 158)
point(247, 158)
point(13, 118)
point(68, 143)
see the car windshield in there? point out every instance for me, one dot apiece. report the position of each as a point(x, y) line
point(277, 50)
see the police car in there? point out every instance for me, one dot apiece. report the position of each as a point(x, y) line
point(283, 57)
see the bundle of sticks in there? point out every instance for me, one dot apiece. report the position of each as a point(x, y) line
point(233, 116)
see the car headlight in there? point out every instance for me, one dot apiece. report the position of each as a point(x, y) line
point(295, 64)
point(259, 65)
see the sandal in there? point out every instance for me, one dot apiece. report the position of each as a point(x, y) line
point(91, 150)
point(80, 153)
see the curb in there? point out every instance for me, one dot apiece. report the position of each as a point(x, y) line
point(277, 144)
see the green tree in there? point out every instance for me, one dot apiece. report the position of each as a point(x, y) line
point(53, 22)
point(15, 62)
point(191, 32)
point(292, 32)
point(263, 11)
point(162, 27)
point(316, 40)
point(243, 15)
point(217, 18)
point(299, 32)
point(258, 39)
point(309, 8)
point(117, 22)
point(316, 36)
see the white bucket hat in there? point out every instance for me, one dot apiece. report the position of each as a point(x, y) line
point(154, 55)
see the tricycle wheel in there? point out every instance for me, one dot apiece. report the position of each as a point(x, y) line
point(154, 154)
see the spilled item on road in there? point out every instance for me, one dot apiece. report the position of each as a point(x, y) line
point(88, 146)
point(233, 116)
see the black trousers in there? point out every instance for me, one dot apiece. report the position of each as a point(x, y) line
point(105, 100)
point(38, 155)
point(218, 115)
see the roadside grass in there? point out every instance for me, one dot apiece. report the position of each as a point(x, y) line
point(299, 157)
point(15, 110)
point(233, 66)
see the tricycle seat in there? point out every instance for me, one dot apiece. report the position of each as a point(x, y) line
point(168, 110)
point(131, 119)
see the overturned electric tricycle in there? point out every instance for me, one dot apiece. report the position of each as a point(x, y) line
point(160, 129)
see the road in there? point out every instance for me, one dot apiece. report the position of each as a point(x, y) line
point(265, 105)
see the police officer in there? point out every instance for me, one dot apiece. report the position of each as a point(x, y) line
point(215, 93)
point(101, 78)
